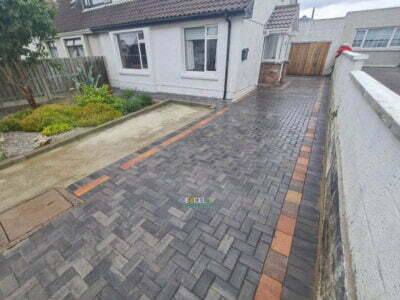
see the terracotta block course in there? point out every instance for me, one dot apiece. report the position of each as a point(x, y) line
point(301, 169)
point(86, 188)
point(275, 266)
point(286, 224)
point(282, 243)
point(24, 218)
point(305, 149)
point(290, 209)
point(302, 161)
point(293, 196)
point(139, 158)
point(299, 176)
point(268, 289)
point(305, 154)
point(297, 184)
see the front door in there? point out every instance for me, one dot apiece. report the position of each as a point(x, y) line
point(307, 58)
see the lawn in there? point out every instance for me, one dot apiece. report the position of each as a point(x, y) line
point(91, 107)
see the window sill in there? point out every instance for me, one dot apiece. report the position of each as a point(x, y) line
point(134, 72)
point(383, 49)
point(200, 76)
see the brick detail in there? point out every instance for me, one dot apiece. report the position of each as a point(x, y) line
point(90, 186)
point(275, 265)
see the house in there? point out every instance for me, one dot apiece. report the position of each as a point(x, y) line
point(210, 48)
point(372, 32)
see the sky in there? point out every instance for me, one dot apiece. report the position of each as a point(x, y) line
point(339, 8)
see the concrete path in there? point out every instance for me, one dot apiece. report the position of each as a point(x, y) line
point(256, 164)
point(64, 165)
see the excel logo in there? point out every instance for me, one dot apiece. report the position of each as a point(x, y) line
point(197, 201)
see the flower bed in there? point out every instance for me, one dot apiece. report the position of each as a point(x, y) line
point(92, 107)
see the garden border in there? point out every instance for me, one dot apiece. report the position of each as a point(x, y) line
point(11, 161)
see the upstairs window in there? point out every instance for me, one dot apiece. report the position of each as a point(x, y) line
point(201, 48)
point(377, 37)
point(75, 47)
point(132, 49)
point(94, 3)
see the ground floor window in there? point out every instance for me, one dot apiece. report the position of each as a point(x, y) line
point(132, 49)
point(377, 37)
point(201, 48)
point(75, 47)
point(275, 47)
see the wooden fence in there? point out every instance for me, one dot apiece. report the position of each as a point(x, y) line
point(52, 76)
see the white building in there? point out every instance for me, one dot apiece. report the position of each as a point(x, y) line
point(373, 32)
point(209, 48)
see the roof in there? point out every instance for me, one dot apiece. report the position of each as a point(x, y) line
point(71, 17)
point(283, 17)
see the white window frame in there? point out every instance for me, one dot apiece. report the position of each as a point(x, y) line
point(388, 47)
point(105, 2)
point(85, 49)
point(282, 47)
point(117, 54)
point(205, 75)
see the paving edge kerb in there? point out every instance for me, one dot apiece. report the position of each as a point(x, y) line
point(11, 161)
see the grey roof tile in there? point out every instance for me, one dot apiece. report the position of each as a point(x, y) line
point(283, 17)
point(72, 17)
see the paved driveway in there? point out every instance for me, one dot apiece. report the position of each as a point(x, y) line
point(388, 76)
point(259, 160)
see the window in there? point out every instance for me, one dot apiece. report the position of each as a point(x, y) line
point(360, 34)
point(52, 49)
point(396, 38)
point(377, 37)
point(75, 47)
point(201, 48)
point(132, 49)
point(94, 3)
point(272, 47)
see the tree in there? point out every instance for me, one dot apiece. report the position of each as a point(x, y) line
point(25, 25)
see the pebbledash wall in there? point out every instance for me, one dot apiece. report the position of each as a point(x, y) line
point(343, 30)
point(166, 56)
point(360, 238)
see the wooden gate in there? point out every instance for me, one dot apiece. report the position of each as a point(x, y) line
point(307, 58)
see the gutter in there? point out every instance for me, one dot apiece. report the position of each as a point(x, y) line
point(228, 47)
point(167, 20)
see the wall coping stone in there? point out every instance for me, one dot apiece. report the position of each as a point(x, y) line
point(384, 101)
point(355, 56)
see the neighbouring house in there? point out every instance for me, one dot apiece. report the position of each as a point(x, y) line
point(372, 32)
point(193, 47)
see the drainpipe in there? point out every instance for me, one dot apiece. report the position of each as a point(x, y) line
point(228, 47)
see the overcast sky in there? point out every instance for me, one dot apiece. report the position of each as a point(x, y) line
point(339, 8)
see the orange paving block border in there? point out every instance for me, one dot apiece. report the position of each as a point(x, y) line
point(272, 279)
point(137, 159)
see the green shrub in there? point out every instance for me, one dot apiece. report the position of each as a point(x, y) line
point(56, 128)
point(91, 95)
point(133, 104)
point(49, 114)
point(146, 99)
point(127, 94)
point(13, 122)
point(96, 114)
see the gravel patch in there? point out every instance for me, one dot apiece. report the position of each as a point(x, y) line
point(20, 142)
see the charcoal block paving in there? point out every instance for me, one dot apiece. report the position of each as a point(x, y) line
point(134, 237)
